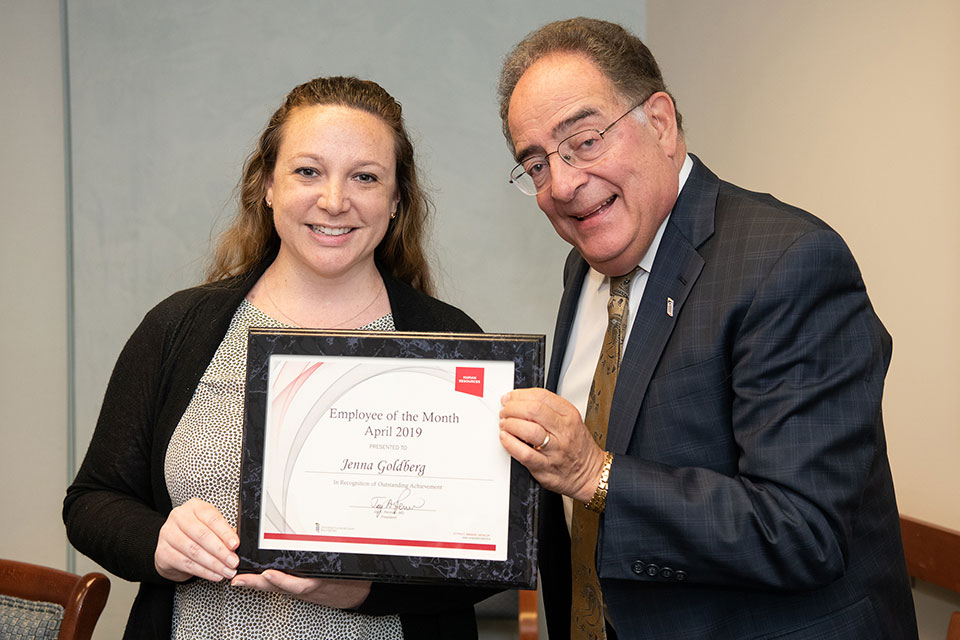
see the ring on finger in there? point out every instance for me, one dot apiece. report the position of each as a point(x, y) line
point(546, 441)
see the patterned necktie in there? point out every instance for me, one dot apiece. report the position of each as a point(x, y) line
point(586, 615)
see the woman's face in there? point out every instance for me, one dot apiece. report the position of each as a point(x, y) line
point(333, 189)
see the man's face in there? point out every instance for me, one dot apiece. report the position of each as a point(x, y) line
point(610, 211)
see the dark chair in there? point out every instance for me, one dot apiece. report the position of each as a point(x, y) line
point(33, 594)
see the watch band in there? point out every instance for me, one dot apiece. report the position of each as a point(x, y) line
point(599, 500)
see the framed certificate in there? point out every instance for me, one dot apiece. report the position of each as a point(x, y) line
point(376, 455)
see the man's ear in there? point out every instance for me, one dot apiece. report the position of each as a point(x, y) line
point(662, 116)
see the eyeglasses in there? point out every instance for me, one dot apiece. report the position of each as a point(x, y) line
point(581, 150)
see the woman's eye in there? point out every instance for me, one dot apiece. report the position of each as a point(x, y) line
point(366, 178)
point(307, 172)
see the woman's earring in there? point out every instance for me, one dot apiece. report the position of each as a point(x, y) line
point(269, 204)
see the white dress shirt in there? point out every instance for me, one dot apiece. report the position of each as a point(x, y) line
point(590, 325)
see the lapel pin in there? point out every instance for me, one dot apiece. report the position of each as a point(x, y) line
point(670, 307)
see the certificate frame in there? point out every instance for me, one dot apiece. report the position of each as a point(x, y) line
point(517, 570)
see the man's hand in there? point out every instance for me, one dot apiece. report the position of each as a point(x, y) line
point(570, 462)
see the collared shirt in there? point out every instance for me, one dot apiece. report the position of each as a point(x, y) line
point(590, 325)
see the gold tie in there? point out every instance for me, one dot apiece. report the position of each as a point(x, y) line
point(586, 614)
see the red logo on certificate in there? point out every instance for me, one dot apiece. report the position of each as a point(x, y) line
point(470, 380)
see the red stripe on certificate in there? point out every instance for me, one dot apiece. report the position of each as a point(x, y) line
point(381, 541)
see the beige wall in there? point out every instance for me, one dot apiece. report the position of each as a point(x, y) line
point(33, 276)
point(850, 109)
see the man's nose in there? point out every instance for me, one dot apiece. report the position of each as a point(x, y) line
point(565, 180)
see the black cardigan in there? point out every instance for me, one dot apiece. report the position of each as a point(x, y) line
point(116, 505)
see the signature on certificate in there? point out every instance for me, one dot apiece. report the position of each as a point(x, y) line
point(385, 507)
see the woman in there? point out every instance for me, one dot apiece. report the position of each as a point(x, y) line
point(329, 235)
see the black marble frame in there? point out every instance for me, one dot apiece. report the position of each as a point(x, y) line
point(520, 568)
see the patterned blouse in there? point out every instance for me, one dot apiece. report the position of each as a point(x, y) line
point(203, 460)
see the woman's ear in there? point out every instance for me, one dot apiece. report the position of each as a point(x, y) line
point(269, 197)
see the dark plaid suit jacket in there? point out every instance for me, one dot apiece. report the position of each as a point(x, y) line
point(750, 494)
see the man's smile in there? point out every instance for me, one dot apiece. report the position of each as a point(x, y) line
point(603, 206)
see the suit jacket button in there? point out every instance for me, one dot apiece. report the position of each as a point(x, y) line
point(652, 570)
point(666, 572)
point(680, 576)
point(639, 567)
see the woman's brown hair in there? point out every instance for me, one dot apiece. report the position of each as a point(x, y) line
point(252, 235)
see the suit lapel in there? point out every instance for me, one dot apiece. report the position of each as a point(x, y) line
point(675, 270)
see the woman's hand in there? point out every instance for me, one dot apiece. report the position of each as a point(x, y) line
point(196, 540)
point(339, 594)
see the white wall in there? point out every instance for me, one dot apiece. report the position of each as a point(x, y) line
point(850, 110)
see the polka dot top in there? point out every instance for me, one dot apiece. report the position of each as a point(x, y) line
point(203, 460)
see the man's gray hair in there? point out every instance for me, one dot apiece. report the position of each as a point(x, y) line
point(621, 57)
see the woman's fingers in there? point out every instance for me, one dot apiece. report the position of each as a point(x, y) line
point(339, 594)
point(196, 541)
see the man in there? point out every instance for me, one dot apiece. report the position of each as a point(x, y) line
point(739, 469)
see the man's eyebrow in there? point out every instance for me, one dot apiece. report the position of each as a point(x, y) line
point(558, 130)
point(565, 125)
point(526, 152)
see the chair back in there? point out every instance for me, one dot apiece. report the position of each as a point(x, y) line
point(932, 553)
point(82, 597)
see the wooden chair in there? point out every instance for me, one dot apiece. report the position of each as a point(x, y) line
point(528, 614)
point(510, 613)
point(82, 597)
point(953, 633)
point(933, 555)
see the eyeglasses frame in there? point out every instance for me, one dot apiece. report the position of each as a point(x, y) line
point(519, 165)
